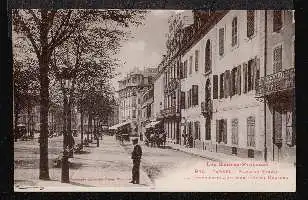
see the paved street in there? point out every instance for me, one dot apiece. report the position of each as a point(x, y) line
point(106, 166)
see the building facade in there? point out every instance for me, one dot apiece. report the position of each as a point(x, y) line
point(225, 106)
point(276, 87)
point(147, 109)
point(131, 90)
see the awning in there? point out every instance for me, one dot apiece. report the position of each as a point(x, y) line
point(152, 124)
point(114, 127)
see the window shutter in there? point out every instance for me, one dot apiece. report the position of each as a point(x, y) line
point(217, 130)
point(226, 91)
point(239, 79)
point(221, 86)
point(232, 82)
point(229, 92)
point(182, 100)
point(221, 41)
point(196, 60)
point(215, 86)
point(245, 77)
point(278, 59)
point(225, 130)
point(195, 95)
point(181, 70)
point(190, 97)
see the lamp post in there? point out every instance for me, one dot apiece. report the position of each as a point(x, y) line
point(66, 151)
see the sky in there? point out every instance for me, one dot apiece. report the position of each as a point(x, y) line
point(147, 46)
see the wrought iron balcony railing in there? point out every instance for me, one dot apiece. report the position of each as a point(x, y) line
point(276, 82)
point(170, 111)
point(172, 85)
point(207, 108)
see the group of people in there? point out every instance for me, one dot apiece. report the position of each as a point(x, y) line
point(188, 139)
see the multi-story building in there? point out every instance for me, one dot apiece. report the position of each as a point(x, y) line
point(167, 81)
point(277, 84)
point(196, 80)
point(131, 89)
point(220, 79)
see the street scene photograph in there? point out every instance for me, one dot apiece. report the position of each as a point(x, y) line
point(154, 100)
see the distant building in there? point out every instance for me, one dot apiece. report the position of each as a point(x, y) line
point(131, 89)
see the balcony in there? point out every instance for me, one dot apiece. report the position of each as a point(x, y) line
point(277, 82)
point(171, 111)
point(207, 108)
point(172, 85)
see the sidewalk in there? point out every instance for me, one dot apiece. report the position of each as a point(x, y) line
point(220, 157)
point(104, 168)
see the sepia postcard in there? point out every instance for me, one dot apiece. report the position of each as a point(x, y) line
point(154, 100)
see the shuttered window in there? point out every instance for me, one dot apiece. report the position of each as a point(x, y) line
point(250, 75)
point(188, 99)
point(221, 86)
point(229, 90)
point(251, 132)
point(234, 81)
point(235, 131)
point(221, 41)
point(215, 86)
point(208, 60)
point(208, 129)
point(277, 20)
point(250, 23)
point(257, 72)
point(195, 95)
point(218, 131)
point(277, 59)
point(197, 130)
point(185, 69)
point(245, 77)
point(239, 79)
point(196, 60)
point(190, 64)
point(225, 134)
point(234, 31)
point(182, 100)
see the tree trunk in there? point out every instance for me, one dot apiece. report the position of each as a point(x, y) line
point(16, 110)
point(29, 117)
point(44, 105)
point(81, 127)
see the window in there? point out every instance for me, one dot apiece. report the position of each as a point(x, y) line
point(277, 20)
point(134, 113)
point(234, 75)
point(251, 132)
point(235, 131)
point(208, 129)
point(238, 80)
point(196, 60)
point(190, 64)
point(221, 88)
point(215, 86)
point(250, 23)
point(245, 77)
point(195, 95)
point(185, 69)
point(197, 130)
point(277, 59)
point(250, 75)
point(221, 131)
point(208, 61)
point(221, 41)
point(181, 70)
point(182, 100)
point(234, 31)
point(228, 84)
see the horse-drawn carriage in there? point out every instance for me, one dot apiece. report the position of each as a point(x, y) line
point(155, 137)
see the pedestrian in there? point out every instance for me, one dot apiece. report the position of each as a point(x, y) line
point(136, 157)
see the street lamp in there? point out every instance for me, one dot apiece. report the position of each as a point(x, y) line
point(66, 77)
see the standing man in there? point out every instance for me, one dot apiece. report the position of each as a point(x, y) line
point(136, 157)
